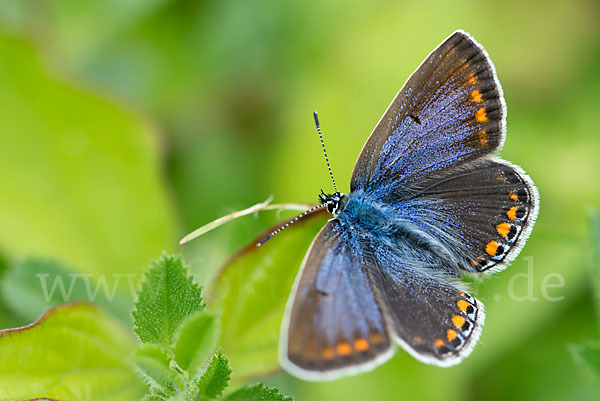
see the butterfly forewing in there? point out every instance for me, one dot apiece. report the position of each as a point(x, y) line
point(334, 324)
point(450, 111)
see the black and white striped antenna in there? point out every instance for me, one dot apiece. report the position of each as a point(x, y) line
point(322, 205)
point(289, 223)
point(324, 151)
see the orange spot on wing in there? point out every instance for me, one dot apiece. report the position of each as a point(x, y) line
point(476, 96)
point(473, 263)
point(361, 344)
point(491, 248)
point(481, 116)
point(512, 212)
point(438, 342)
point(376, 338)
point(462, 305)
point(503, 229)
point(472, 79)
point(451, 334)
point(482, 137)
point(513, 196)
point(417, 340)
point(344, 349)
point(458, 320)
point(328, 353)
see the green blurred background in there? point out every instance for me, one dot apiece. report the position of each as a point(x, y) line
point(126, 124)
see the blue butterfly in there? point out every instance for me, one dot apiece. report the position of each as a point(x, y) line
point(428, 201)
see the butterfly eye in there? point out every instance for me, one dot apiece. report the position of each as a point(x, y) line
point(331, 206)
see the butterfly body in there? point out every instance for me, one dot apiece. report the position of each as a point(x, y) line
point(429, 201)
point(398, 227)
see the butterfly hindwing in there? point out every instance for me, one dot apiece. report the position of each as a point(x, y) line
point(428, 313)
point(431, 318)
point(334, 325)
point(487, 206)
point(450, 111)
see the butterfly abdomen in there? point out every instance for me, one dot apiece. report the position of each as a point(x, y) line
point(398, 228)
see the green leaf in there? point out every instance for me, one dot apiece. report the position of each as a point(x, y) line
point(32, 286)
point(153, 397)
point(195, 339)
point(73, 352)
point(81, 178)
point(257, 392)
point(215, 378)
point(251, 293)
point(153, 363)
point(168, 296)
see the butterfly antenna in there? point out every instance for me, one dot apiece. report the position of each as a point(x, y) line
point(324, 151)
point(295, 219)
point(289, 223)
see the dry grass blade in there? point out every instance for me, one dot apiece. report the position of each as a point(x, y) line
point(301, 207)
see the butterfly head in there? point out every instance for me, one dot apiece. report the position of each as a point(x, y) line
point(335, 202)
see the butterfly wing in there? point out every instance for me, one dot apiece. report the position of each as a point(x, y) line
point(355, 288)
point(430, 316)
point(487, 207)
point(450, 111)
point(334, 324)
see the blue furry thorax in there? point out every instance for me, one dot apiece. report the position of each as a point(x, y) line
point(363, 212)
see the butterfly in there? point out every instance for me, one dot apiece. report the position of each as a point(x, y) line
point(428, 201)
